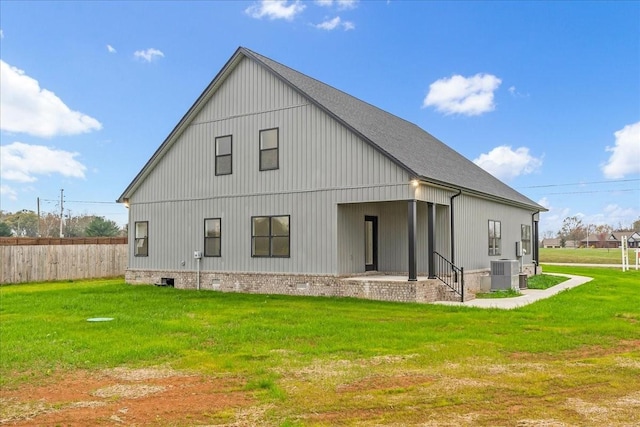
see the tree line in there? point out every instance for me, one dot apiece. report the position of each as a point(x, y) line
point(26, 223)
point(575, 230)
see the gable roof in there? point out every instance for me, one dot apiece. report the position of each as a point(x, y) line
point(419, 153)
point(632, 236)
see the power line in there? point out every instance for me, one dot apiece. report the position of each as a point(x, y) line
point(625, 190)
point(583, 183)
point(82, 201)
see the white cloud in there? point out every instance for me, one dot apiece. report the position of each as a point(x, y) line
point(471, 96)
point(111, 49)
point(149, 54)
point(514, 92)
point(619, 213)
point(1, 34)
point(334, 23)
point(9, 192)
point(329, 25)
point(544, 202)
point(27, 108)
point(275, 9)
point(611, 214)
point(348, 25)
point(341, 4)
point(625, 157)
point(23, 162)
point(504, 163)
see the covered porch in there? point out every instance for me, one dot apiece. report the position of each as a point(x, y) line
point(396, 239)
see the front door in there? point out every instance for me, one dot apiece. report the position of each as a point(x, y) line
point(371, 243)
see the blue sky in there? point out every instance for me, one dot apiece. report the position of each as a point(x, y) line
point(544, 95)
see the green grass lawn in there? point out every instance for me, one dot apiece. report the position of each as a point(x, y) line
point(308, 356)
point(585, 256)
point(540, 281)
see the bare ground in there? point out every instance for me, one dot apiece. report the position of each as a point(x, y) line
point(142, 397)
point(588, 387)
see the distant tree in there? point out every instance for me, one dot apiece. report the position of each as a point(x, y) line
point(76, 226)
point(636, 225)
point(603, 232)
point(102, 227)
point(5, 230)
point(49, 225)
point(573, 229)
point(24, 223)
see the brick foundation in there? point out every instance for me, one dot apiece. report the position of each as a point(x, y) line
point(421, 291)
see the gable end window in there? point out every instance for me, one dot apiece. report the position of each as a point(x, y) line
point(270, 236)
point(141, 238)
point(224, 155)
point(525, 237)
point(269, 149)
point(212, 237)
point(495, 237)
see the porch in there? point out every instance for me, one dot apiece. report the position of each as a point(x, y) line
point(392, 236)
point(397, 288)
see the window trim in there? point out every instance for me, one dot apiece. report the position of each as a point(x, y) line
point(217, 156)
point(495, 243)
point(262, 150)
point(271, 236)
point(144, 238)
point(212, 238)
point(525, 238)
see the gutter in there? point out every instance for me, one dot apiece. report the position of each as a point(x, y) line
point(453, 237)
point(536, 248)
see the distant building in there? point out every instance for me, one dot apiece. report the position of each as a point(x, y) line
point(612, 240)
point(557, 243)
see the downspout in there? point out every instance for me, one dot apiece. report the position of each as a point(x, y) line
point(536, 248)
point(453, 239)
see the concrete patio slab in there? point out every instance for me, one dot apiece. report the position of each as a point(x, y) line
point(529, 295)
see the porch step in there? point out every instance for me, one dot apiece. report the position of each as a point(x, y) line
point(447, 294)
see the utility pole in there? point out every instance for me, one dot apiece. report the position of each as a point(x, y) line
point(39, 217)
point(61, 211)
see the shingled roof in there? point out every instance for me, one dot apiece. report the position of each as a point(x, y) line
point(419, 152)
point(409, 146)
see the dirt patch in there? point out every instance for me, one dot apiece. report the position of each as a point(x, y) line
point(385, 383)
point(587, 352)
point(123, 396)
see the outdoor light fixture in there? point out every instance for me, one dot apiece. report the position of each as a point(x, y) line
point(415, 182)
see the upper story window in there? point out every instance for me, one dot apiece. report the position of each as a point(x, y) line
point(495, 237)
point(525, 237)
point(223, 155)
point(269, 149)
point(212, 236)
point(270, 236)
point(142, 238)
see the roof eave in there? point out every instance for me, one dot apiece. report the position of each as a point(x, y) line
point(448, 186)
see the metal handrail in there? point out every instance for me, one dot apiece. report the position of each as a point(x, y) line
point(450, 275)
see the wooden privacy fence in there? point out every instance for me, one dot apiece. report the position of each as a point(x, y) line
point(61, 260)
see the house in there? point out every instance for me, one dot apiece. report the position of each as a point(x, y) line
point(612, 240)
point(274, 182)
point(552, 243)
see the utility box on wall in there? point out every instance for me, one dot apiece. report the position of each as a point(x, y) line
point(505, 274)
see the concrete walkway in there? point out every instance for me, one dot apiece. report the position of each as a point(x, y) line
point(529, 295)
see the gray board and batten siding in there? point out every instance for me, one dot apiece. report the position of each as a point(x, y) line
point(340, 159)
point(317, 171)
